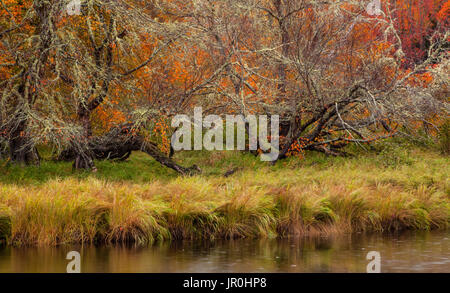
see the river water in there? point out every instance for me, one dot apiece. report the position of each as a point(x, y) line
point(406, 252)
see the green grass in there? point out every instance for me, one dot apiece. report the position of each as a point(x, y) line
point(140, 201)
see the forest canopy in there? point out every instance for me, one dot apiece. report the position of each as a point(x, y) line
point(104, 82)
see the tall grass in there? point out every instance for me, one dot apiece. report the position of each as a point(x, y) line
point(5, 224)
point(293, 198)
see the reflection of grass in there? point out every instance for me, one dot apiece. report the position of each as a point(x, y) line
point(420, 251)
point(139, 201)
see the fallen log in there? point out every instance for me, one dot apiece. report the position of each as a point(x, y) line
point(119, 143)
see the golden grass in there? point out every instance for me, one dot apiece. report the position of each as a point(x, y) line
point(5, 224)
point(291, 201)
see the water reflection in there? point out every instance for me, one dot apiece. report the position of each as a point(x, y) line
point(407, 252)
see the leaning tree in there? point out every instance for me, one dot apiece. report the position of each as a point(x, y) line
point(25, 50)
point(62, 67)
point(333, 73)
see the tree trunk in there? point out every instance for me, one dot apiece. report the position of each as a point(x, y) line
point(166, 161)
point(21, 149)
point(118, 144)
point(84, 158)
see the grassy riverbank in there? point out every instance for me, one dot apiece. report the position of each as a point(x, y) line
point(139, 201)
